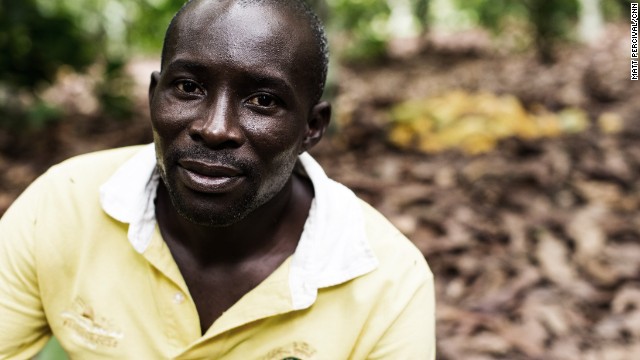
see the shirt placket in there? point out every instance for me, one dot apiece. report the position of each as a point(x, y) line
point(177, 310)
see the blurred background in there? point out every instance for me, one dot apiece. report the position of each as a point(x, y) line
point(500, 136)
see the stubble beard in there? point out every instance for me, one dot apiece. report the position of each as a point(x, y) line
point(237, 211)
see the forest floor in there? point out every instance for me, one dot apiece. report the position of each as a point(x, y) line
point(535, 245)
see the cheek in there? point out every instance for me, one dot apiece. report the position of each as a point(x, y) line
point(169, 117)
point(274, 137)
point(157, 141)
point(277, 173)
point(276, 142)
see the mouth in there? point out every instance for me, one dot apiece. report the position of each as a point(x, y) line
point(209, 178)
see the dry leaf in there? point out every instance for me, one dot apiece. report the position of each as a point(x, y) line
point(553, 256)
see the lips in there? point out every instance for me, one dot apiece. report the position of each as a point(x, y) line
point(209, 178)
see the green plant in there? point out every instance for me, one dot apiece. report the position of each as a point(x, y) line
point(52, 351)
point(549, 20)
point(35, 44)
point(39, 37)
point(362, 23)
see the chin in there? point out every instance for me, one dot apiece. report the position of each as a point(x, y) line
point(210, 220)
point(219, 210)
point(209, 212)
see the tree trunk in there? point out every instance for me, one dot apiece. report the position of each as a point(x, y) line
point(590, 23)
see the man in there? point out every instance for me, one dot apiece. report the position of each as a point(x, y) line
point(224, 239)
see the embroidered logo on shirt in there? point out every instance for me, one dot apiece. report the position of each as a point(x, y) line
point(89, 329)
point(298, 350)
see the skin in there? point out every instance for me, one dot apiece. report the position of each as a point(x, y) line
point(231, 110)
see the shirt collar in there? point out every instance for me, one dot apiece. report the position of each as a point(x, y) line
point(128, 196)
point(333, 247)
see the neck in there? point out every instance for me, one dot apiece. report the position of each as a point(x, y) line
point(263, 232)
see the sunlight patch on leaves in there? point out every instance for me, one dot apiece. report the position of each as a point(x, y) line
point(476, 122)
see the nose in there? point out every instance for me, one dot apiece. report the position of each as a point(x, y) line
point(219, 126)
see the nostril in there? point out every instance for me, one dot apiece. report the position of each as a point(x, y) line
point(218, 141)
point(196, 137)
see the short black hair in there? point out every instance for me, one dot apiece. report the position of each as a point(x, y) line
point(312, 19)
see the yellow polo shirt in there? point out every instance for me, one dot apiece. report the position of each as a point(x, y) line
point(82, 258)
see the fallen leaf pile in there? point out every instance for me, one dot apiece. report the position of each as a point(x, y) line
point(535, 240)
point(535, 246)
point(476, 122)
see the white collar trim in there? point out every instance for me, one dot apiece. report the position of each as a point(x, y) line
point(333, 247)
point(129, 194)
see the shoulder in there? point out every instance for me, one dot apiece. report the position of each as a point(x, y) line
point(89, 169)
point(68, 190)
point(395, 252)
point(94, 166)
point(401, 292)
point(60, 211)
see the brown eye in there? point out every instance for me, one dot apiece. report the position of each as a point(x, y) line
point(189, 87)
point(263, 101)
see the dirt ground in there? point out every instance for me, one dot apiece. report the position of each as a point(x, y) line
point(534, 245)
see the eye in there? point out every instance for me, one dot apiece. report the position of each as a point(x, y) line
point(189, 87)
point(263, 100)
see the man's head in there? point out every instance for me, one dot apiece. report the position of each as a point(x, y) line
point(235, 102)
point(320, 64)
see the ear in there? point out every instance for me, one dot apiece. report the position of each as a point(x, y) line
point(155, 78)
point(318, 122)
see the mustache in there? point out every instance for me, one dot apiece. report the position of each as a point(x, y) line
point(222, 157)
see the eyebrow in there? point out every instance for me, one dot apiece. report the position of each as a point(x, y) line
point(185, 64)
point(266, 80)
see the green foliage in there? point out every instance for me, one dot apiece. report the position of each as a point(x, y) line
point(491, 13)
point(615, 9)
point(421, 13)
point(550, 20)
point(146, 28)
point(126, 25)
point(37, 115)
point(38, 37)
point(113, 91)
point(34, 44)
point(363, 24)
point(52, 351)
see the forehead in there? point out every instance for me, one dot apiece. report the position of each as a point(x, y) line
point(259, 34)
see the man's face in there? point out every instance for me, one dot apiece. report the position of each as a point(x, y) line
point(232, 109)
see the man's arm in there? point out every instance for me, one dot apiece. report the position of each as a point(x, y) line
point(23, 325)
